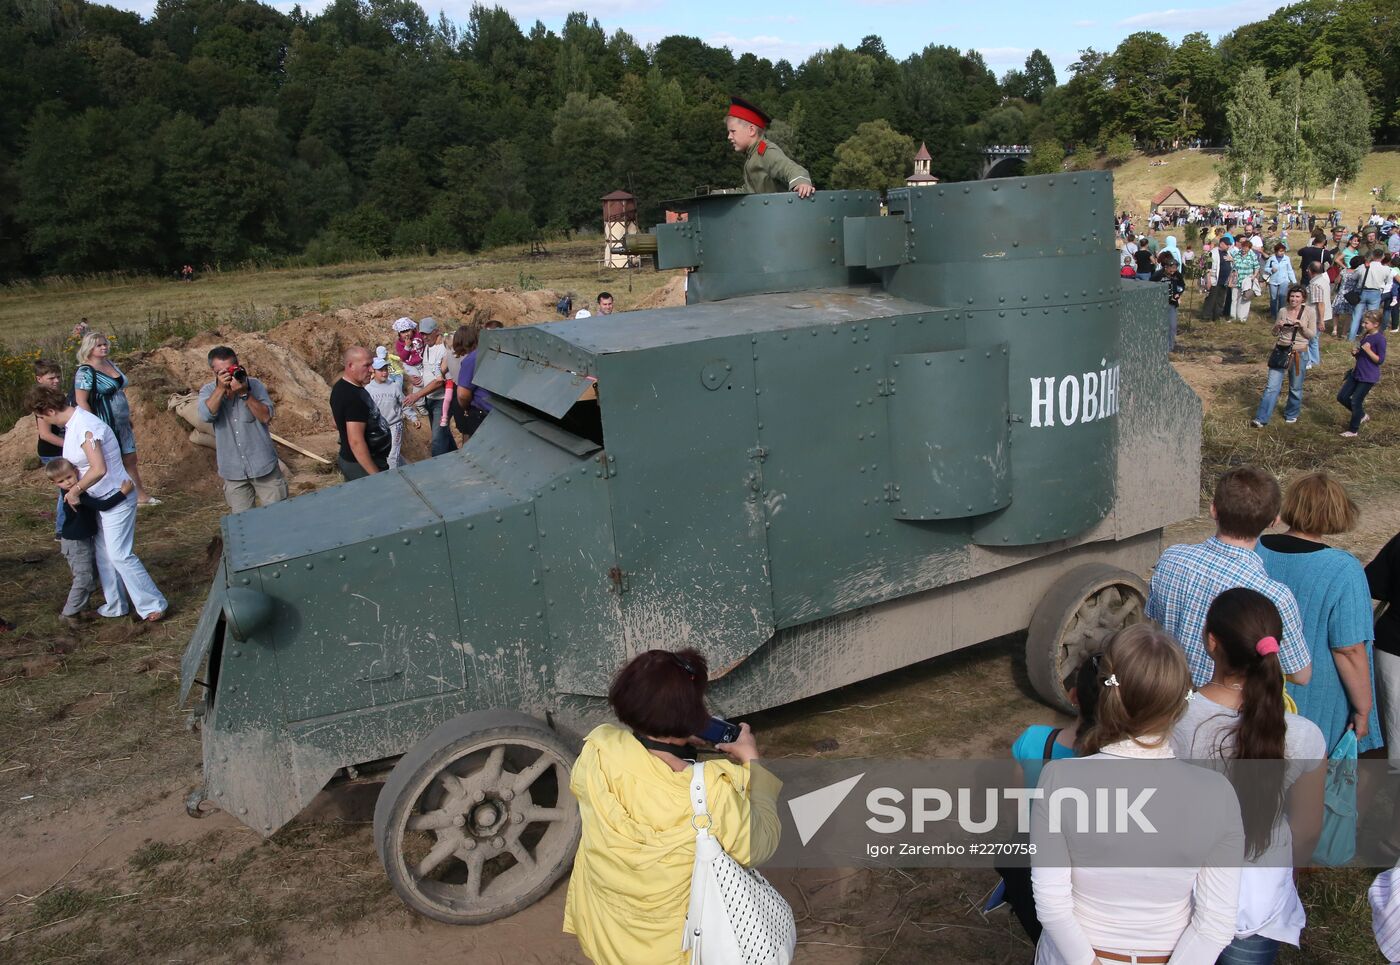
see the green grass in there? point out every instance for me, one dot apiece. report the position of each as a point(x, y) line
point(1193, 173)
point(32, 313)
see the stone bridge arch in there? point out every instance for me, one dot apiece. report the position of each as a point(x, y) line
point(1004, 160)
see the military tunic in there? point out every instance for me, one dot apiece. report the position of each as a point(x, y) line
point(767, 170)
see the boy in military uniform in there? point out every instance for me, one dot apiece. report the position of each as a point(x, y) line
point(767, 169)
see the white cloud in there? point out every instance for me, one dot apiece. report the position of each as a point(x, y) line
point(770, 18)
point(764, 45)
point(1183, 20)
point(527, 11)
point(1001, 54)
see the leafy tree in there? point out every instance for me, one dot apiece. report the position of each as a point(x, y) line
point(1039, 76)
point(1253, 117)
point(1047, 157)
point(87, 187)
point(508, 227)
point(1337, 124)
point(589, 138)
point(1084, 158)
point(1118, 149)
point(227, 184)
point(1294, 170)
point(875, 157)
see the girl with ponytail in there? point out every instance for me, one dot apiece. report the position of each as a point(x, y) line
point(1096, 901)
point(1238, 717)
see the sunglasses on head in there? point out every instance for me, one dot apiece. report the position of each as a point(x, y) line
point(685, 665)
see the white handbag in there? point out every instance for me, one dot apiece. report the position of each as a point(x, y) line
point(736, 917)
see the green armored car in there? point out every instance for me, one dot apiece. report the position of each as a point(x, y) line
point(873, 435)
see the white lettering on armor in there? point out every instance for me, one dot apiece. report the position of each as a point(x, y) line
point(1081, 398)
point(1041, 403)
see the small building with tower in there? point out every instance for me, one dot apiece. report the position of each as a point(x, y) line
point(922, 176)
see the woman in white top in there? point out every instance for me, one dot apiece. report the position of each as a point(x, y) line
point(1239, 716)
point(1168, 896)
point(94, 450)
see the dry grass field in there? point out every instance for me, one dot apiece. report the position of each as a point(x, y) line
point(1193, 173)
point(36, 312)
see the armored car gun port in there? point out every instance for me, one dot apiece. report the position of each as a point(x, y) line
point(873, 435)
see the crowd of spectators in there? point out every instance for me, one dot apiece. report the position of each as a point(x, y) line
point(1346, 286)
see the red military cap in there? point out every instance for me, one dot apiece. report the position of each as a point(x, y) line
point(742, 109)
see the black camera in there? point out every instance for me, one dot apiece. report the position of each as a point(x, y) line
point(238, 373)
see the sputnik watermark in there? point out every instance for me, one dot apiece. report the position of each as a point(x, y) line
point(1117, 812)
point(1111, 810)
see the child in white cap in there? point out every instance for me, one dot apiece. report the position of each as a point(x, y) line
point(388, 399)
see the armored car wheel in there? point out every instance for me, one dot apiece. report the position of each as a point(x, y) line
point(476, 821)
point(1081, 611)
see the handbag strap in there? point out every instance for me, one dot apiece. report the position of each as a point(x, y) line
point(699, 806)
point(1049, 751)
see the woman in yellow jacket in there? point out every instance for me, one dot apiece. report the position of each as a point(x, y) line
point(631, 880)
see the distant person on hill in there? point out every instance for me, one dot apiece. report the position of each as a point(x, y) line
point(767, 169)
point(364, 436)
point(240, 410)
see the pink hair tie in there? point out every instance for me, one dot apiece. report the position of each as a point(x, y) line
point(1267, 646)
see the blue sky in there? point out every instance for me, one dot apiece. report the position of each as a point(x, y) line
point(1004, 32)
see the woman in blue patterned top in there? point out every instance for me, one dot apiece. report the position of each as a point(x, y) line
point(100, 388)
point(1335, 601)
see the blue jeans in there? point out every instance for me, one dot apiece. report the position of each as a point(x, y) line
point(1352, 397)
point(1370, 302)
point(1171, 328)
point(443, 442)
point(1144, 276)
point(58, 507)
point(1275, 387)
point(1254, 950)
point(1314, 353)
point(1278, 297)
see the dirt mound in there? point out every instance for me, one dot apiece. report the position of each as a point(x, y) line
point(297, 361)
point(321, 339)
point(669, 295)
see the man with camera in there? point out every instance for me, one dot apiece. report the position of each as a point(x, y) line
point(240, 409)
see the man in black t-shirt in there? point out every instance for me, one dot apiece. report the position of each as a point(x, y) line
point(364, 437)
point(1314, 250)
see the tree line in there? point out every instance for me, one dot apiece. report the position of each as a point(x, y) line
point(224, 131)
